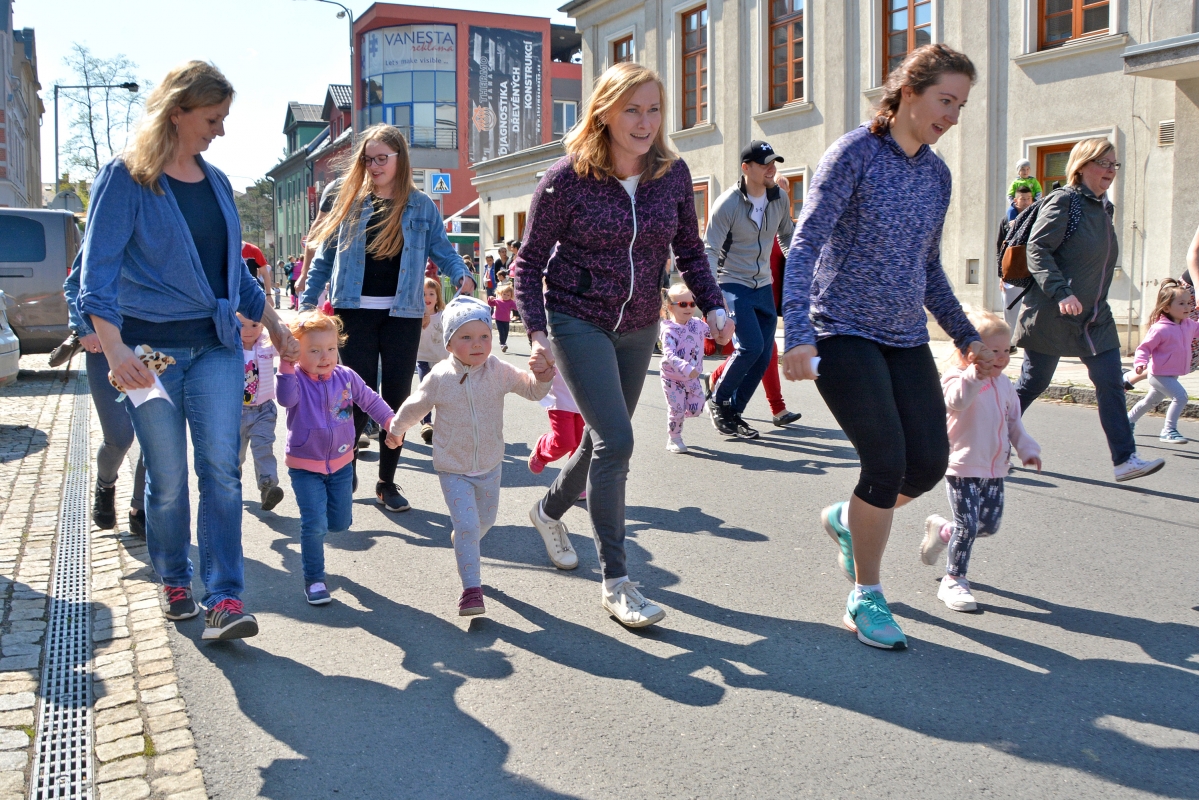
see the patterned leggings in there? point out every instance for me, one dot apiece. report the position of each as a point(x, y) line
point(977, 509)
point(473, 501)
point(683, 399)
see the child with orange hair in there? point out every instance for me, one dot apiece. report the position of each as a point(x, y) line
point(320, 397)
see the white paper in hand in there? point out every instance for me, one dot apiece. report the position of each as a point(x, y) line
point(139, 396)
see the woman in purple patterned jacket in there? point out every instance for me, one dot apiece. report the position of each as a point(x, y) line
point(614, 208)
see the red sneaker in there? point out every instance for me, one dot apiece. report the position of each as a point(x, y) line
point(471, 602)
point(536, 465)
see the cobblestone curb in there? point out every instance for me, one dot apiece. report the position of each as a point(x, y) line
point(144, 745)
point(36, 427)
point(1085, 395)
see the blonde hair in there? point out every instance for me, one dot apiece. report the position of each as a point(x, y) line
point(506, 291)
point(196, 84)
point(1169, 290)
point(1084, 153)
point(435, 285)
point(316, 321)
point(356, 186)
point(676, 290)
point(987, 323)
point(589, 142)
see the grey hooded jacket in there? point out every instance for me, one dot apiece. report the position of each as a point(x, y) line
point(748, 258)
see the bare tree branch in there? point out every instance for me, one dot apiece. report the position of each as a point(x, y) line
point(103, 117)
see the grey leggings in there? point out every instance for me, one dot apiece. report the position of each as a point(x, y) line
point(1161, 387)
point(473, 501)
point(117, 430)
point(977, 510)
point(604, 372)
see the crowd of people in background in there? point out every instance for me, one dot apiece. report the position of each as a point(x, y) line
point(163, 265)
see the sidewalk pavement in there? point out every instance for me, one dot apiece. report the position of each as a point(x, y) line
point(141, 740)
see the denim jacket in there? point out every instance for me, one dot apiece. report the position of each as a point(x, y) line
point(139, 260)
point(70, 289)
point(342, 265)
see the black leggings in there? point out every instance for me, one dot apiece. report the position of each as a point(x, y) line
point(373, 335)
point(888, 401)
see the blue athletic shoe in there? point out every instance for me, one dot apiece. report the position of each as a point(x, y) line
point(870, 618)
point(830, 518)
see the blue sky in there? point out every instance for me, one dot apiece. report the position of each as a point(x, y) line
point(272, 50)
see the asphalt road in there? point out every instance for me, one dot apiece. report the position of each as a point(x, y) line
point(1079, 677)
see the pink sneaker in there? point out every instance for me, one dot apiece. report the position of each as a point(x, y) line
point(583, 495)
point(471, 602)
point(536, 465)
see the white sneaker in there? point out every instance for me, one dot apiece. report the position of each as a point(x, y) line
point(955, 592)
point(629, 606)
point(1137, 467)
point(554, 534)
point(676, 446)
point(932, 545)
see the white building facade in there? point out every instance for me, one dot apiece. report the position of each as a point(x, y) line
point(800, 73)
point(21, 113)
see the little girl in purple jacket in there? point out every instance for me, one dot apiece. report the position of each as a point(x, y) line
point(320, 397)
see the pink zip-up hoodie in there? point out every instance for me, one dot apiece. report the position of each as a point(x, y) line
point(983, 417)
point(1167, 347)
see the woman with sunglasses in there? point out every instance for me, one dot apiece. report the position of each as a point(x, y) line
point(1072, 253)
point(374, 240)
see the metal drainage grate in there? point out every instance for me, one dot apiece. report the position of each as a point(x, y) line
point(63, 763)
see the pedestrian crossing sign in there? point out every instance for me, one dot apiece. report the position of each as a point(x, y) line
point(441, 183)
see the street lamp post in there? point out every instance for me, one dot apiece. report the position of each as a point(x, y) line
point(130, 86)
point(349, 16)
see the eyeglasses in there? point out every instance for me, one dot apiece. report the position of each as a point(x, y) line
point(1105, 164)
point(380, 161)
point(683, 304)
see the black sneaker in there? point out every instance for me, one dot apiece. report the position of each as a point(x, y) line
point(271, 495)
point(104, 512)
point(722, 419)
point(388, 495)
point(137, 523)
point(181, 604)
point(785, 417)
point(743, 431)
point(228, 620)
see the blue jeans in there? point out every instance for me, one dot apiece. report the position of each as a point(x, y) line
point(205, 384)
point(1107, 374)
point(752, 311)
point(326, 504)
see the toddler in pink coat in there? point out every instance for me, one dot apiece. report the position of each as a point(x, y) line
point(1166, 353)
point(982, 413)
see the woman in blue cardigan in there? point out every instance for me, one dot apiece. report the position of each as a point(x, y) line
point(376, 235)
point(162, 266)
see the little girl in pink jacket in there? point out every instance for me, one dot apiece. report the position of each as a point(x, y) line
point(1166, 353)
point(682, 333)
point(982, 412)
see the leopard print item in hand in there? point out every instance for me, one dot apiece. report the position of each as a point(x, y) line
point(156, 361)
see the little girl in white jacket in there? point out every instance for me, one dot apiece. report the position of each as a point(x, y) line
point(982, 412)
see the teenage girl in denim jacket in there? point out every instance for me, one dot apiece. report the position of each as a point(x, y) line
point(375, 238)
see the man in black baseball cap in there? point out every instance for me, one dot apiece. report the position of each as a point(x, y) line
point(740, 236)
point(760, 152)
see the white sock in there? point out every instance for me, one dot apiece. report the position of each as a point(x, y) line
point(860, 589)
point(845, 515)
point(610, 584)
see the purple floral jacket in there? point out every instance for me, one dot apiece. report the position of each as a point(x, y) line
point(609, 262)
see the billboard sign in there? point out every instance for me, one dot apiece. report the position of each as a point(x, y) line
point(409, 48)
point(505, 91)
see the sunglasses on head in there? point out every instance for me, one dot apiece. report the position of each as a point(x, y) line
point(683, 304)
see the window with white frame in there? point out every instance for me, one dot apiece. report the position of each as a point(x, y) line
point(566, 113)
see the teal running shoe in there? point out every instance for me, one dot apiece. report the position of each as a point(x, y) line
point(870, 618)
point(830, 518)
